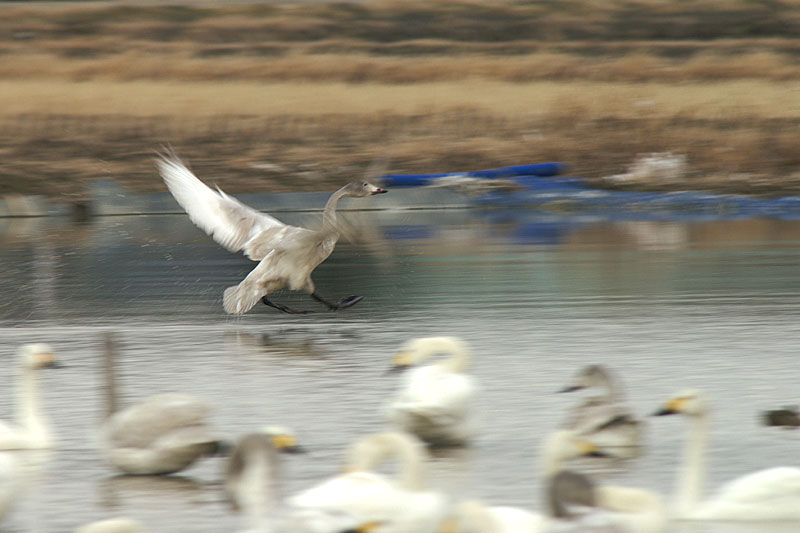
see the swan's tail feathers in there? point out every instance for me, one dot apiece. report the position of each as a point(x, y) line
point(239, 299)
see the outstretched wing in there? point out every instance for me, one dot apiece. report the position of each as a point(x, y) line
point(228, 221)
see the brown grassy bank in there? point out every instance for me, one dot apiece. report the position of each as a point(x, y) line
point(321, 90)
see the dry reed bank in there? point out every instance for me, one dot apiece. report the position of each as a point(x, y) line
point(286, 97)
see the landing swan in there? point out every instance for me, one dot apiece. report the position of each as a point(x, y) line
point(435, 402)
point(402, 505)
point(604, 418)
point(772, 494)
point(287, 254)
point(252, 485)
point(31, 430)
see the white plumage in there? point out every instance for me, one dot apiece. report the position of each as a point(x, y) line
point(435, 401)
point(401, 505)
point(772, 494)
point(30, 429)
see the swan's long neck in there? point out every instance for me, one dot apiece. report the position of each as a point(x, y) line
point(329, 213)
point(691, 478)
point(369, 454)
point(109, 357)
point(29, 414)
point(258, 494)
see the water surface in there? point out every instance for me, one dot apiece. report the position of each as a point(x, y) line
point(667, 304)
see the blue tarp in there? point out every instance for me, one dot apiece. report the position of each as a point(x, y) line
point(416, 180)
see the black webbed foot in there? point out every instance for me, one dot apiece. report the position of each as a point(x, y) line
point(284, 308)
point(347, 301)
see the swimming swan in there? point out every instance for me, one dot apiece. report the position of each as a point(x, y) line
point(287, 254)
point(772, 494)
point(573, 503)
point(435, 402)
point(252, 486)
point(31, 430)
point(604, 418)
point(162, 434)
point(402, 505)
point(629, 509)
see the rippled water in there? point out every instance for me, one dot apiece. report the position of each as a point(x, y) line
point(666, 304)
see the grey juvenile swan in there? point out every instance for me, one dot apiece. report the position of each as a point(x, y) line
point(287, 254)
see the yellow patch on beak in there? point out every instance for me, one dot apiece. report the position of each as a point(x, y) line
point(402, 359)
point(44, 359)
point(281, 442)
point(676, 405)
point(369, 526)
point(586, 447)
point(448, 525)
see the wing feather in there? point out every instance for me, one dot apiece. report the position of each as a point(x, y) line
point(229, 222)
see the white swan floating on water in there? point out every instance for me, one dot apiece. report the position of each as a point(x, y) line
point(402, 505)
point(605, 419)
point(435, 402)
point(287, 254)
point(252, 485)
point(772, 494)
point(31, 429)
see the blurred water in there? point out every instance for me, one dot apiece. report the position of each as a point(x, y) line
point(666, 304)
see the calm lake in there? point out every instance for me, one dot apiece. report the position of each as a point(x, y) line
point(667, 304)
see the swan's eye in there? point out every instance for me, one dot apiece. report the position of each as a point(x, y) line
point(365, 184)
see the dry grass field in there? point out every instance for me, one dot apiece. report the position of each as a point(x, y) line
point(265, 97)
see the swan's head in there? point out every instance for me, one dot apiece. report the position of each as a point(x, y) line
point(565, 445)
point(39, 355)
point(589, 376)
point(415, 351)
point(283, 439)
point(361, 189)
point(689, 402)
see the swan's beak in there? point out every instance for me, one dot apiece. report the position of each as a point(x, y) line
point(590, 449)
point(287, 444)
point(396, 369)
point(378, 190)
point(368, 527)
point(673, 407)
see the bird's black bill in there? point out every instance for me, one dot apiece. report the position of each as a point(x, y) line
point(379, 191)
point(664, 412)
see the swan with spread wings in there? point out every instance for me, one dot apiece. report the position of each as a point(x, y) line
point(286, 254)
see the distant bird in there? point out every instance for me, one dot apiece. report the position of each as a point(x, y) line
point(436, 401)
point(772, 494)
point(604, 418)
point(252, 485)
point(787, 417)
point(287, 254)
point(30, 430)
point(403, 504)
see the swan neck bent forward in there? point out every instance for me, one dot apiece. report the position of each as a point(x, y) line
point(691, 479)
